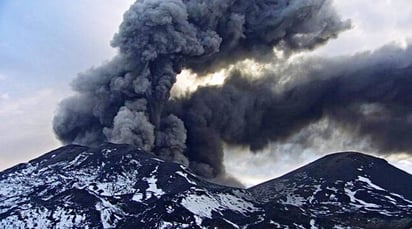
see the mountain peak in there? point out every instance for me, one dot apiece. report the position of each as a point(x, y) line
point(356, 185)
point(350, 157)
point(120, 186)
point(341, 166)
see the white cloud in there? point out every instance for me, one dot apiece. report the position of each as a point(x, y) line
point(25, 130)
point(376, 23)
point(402, 161)
point(4, 96)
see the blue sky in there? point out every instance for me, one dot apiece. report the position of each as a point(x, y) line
point(45, 43)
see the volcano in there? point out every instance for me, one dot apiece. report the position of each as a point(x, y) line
point(121, 186)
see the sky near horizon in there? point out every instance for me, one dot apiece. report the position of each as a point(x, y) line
point(44, 44)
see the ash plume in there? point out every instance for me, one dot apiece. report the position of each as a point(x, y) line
point(124, 100)
point(368, 94)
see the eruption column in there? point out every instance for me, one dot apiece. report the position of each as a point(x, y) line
point(124, 100)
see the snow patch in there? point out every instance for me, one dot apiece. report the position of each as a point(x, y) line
point(180, 173)
point(298, 226)
point(358, 202)
point(109, 213)
point(204, 205)
point(333, 189)
point(403, 198)
point(341, 227)
point(297, 201)
point(165, 225)
point(138, 197)
point(277, 225)
point(200, 205)
point(236, 203)
point(153, 189)
point(231, 223)
point(318, 189)
point(312, 224)
point(198, 220)
point(369, 182)
point(77, 160)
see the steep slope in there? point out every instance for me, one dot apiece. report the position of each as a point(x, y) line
point(349, 187)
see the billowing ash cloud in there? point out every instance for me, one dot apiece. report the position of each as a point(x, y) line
point(123, 100)
point(368, 94)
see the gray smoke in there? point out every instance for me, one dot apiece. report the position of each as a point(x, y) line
point(124, 100)
point(368, 94)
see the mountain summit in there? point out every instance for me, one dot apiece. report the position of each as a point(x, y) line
point(349, 187)
point(121, 186)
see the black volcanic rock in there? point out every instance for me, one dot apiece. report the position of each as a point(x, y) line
point(353, 188)
point(124, 187)
point(116, 186)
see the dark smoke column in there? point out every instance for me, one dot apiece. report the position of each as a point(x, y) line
point(123, 100)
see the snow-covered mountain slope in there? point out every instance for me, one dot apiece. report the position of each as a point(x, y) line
point(352, 188)
point(118, 186)
point(113, 186)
